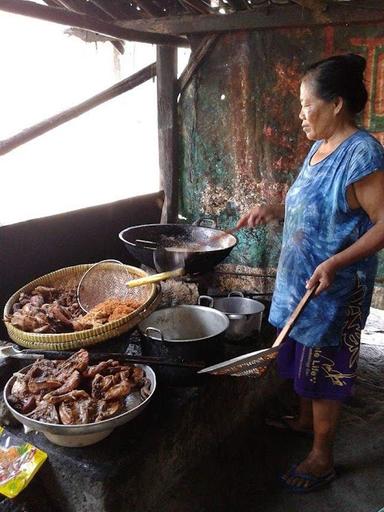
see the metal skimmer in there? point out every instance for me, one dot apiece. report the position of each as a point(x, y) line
point(256, 364)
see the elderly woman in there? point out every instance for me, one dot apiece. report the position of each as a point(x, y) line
point(334, 226)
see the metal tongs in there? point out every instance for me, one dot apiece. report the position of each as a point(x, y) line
point(11, 352)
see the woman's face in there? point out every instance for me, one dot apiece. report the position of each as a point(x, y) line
point(318, 117)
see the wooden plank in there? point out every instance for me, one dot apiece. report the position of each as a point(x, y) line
point(261, 18)
point(167, 129)
point(196, 59)
point(74, 19)
point(38, 129)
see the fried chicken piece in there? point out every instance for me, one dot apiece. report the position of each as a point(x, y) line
point(42, 368)
point(46, 412)
point(69, 385)
point(108, 409)
point(20, 386)
point(100, 384)
point(137, 375)
point(48, 293)
point(76, 394)
point(77, 409)
point(101, 367)
point(43, 384)
point(24, 322)
point(20, 396)
point(118, 391)
point(78, 361)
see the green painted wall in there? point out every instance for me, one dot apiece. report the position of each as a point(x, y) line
point(242, 142)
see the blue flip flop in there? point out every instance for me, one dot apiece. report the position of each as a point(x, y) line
point(314, 482)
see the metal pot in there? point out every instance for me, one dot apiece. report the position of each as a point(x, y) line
point(142, 242)
point(188, 332)
point(245, 315)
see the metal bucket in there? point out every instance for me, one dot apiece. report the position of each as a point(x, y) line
point(245, 315)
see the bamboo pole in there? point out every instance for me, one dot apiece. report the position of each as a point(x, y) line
point(38, 129)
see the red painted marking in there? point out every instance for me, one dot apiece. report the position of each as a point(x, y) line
point(371, 45)
point(329, 47)
point(379, 88)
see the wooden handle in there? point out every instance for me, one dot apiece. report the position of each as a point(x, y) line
point(155, 278)
point(295, 315)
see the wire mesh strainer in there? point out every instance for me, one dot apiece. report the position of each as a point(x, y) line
point(107, 279)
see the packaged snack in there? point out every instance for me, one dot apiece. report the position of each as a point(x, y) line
point(19, 462)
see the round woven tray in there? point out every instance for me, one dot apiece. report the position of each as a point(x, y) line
point(69, 277)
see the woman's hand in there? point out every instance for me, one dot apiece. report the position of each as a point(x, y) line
point(261, 215)
point(323, 275)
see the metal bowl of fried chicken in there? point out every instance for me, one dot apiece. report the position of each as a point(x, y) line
point(76, 404)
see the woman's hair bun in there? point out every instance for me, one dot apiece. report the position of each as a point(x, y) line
point(341, 75)
point(357, 62)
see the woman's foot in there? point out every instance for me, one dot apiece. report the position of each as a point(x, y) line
point(313, 473)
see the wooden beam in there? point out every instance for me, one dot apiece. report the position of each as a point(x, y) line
point(196, 59)
point(148, 7)
point(261, 18)
point(197, 6)
point(74, 19)
point(38, 129)
point(167, 123)
point(92, 10)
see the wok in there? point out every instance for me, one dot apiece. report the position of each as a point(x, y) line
point(204, 247)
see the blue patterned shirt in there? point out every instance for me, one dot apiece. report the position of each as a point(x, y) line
point(318, 224)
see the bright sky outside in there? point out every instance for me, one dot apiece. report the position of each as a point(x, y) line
point(107, 154)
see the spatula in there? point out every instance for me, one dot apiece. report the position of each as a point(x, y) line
point(255, 364)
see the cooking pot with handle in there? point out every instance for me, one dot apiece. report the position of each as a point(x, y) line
point(245, 315)
point(187, 333)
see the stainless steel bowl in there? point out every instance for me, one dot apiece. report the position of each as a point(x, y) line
point(90, 433)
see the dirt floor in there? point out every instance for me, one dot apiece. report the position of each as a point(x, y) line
point(244, 475)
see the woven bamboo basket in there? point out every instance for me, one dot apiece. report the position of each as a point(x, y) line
point(69, 277)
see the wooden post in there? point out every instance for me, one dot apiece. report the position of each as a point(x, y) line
point(167, 129)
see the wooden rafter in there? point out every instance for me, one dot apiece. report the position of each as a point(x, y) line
point(196, 59)
point(39, 129)
point(198, 6)
point(262, 18)
point(91, 9)
point(74, 19)
point(149, 8)
point(314, 5)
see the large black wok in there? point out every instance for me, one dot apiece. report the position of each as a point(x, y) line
point(204, 247)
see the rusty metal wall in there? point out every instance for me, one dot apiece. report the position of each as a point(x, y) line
point(242, 141)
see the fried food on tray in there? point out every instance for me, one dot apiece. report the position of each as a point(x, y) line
point(56, 310)
point(71, 392)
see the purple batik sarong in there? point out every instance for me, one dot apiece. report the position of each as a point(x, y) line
point(325, 372)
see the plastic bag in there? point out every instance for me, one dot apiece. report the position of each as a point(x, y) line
point(19, 462)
